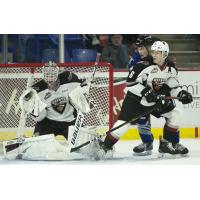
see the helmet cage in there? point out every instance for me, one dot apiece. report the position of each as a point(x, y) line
point(50, 72)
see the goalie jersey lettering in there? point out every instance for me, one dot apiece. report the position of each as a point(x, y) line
point(59, 107)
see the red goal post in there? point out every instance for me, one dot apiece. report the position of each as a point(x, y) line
point(13, 81)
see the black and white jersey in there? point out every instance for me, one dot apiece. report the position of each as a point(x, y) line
point(162, 80)
point(57, 100)
point(132, 83)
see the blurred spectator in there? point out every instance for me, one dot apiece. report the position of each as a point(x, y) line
point(129, 40)
point(104, 39)
point(116, 53)
point(91, 40)
point(97, 42)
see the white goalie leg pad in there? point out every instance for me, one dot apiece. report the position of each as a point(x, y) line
point(78, 100)
point(37, 148)
point(86, 134)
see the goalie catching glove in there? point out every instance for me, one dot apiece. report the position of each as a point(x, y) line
point(30, 102)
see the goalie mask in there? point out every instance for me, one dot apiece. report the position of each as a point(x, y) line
point(50, 72)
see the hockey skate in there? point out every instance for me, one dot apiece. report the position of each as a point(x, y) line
point(103, 152)
point(165, 147)
point(183, 151)
point(143, 149)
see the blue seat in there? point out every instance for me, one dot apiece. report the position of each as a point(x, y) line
point(50, 54)
point(84, 55)
point(67, 37)
point(67, 56)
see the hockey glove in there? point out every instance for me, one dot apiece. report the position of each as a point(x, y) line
point(185, 97)
point(149, 94)
point(28, 96)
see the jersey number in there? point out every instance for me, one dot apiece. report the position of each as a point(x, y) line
point(131, 74)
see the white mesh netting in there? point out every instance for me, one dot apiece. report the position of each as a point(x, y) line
point(13, 80)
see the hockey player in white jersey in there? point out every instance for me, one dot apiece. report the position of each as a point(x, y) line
point(143, 124)
point(146, 95)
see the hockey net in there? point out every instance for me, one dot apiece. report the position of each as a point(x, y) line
point(13, 81)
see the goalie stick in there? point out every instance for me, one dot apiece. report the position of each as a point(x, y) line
point(115, 128)
point(80, 117)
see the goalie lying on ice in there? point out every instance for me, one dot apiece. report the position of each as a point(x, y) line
point(49, 147)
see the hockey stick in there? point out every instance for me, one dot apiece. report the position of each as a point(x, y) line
point(133, 119)
point(163, 97)
point(80, 117)
point(170, 97)
point(115, 128)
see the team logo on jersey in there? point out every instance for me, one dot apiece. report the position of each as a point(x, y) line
point(157, 83)
point(131, 68)
point(154, 70)
point(59, 104)
point(47, 95)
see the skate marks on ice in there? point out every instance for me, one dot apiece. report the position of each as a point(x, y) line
point(119, 158)
point(154, 158)
point(192, 158)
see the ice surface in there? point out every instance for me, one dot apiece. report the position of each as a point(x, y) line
point(124, 155)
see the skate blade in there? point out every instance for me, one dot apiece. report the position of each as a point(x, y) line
point(167, 155)
point(146, 153)
point(109, 155)
point(184, 155)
